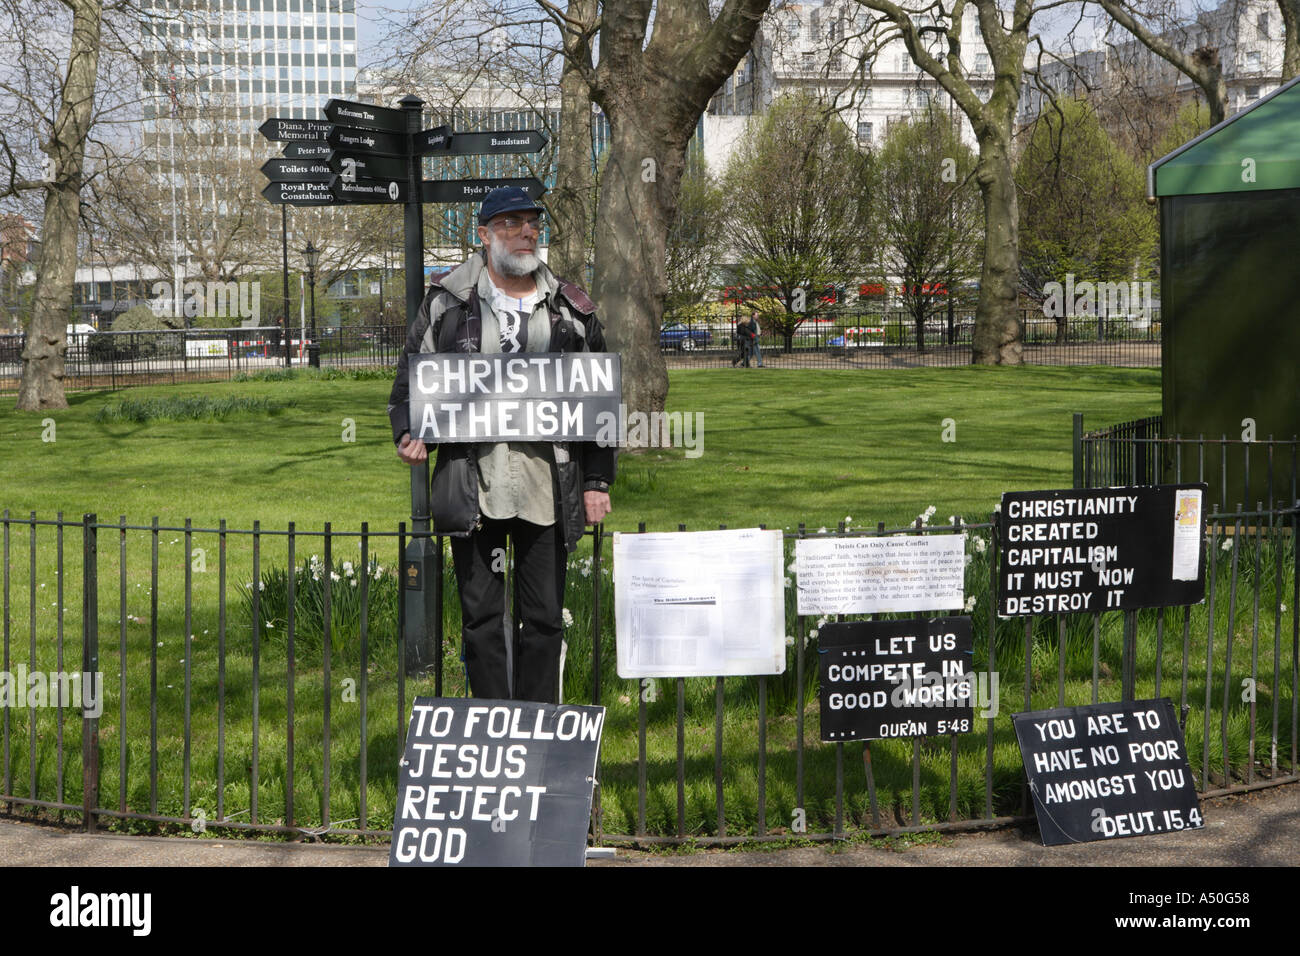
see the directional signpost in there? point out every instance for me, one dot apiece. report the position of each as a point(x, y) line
point(473, 190)
point(296, 171)
point(354, 166)
point(307, 149)
point(293, 129)
point(366, 154)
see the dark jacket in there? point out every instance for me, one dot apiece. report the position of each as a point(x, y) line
point(449, 320)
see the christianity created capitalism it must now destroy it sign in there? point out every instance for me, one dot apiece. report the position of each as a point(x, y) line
point(1102, 549)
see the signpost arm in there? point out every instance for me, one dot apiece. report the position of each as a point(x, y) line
point(422, 610)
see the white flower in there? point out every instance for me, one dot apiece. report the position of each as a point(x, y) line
point(789, 641)
point(970, 604)
point(812, 633)
point(1282, 608)
point(334, 576)
point(787, 582)
point(790, 569)
point(566, 617)
point(848, 519)
point(1227, 544)
point(174, 540)
point(821, 530)
point(270, 625)
point(347, 568)
point(980, 546)
point(352, 581)
point(261, 585)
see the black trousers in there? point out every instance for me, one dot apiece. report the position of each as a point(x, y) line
point(502, 665)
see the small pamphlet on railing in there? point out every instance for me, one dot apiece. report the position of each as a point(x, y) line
point(870, 575)
point(699, 603)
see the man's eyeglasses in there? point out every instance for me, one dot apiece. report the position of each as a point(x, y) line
point(510, 225)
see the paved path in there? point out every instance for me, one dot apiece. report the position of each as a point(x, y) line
point(1258, 829)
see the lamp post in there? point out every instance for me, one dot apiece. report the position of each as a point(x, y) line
point(311, 255)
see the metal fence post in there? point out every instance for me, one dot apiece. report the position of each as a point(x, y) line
point(89, 672)
point(1077, 445)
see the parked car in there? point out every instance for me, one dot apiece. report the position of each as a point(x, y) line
point(684, 337)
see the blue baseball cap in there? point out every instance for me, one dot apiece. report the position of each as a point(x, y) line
point(505, 199)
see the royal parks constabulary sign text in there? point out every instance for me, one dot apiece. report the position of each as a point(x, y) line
point(517, 396)
point(495, 783)
point(1101, 549)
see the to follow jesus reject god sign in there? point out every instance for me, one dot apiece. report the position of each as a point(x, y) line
point(516, 397)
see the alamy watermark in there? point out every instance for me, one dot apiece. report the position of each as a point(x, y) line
point(1094, 299)
point(652, 430)
point(20, 689)
point(221, 300)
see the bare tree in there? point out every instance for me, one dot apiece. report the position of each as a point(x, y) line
point(72, 103)
point(933, 37)
point(798, 197)
point(928, 212)
point(653, 84)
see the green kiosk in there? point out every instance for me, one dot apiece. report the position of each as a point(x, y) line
point(1230, 299)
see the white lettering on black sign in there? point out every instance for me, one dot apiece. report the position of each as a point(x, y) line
point(1100, 550)
point(1107, 770)
point(495, 783)
point(514, 397)
point(885, 679)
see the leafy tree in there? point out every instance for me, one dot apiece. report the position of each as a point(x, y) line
point(696, 236)
point(929, 212)
point(1082, 204)
point(799, 197)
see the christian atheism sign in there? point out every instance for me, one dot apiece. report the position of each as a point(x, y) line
point(519, 396)
point(495, 783)
point(1101, 549)
point(1107, 770)
point(882, 679)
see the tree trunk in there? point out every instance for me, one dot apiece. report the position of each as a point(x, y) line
point(1290, 38)
point(637, 195)
point(42, 379)
point(571, 201)
point(997, 325)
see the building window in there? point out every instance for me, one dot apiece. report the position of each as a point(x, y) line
point(1262, 26)
point(808, 60)
point(981, 62)
point(1252, 61)
point(864, 132)
point(1252, 92)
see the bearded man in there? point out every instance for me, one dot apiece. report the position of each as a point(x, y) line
point(540, 495)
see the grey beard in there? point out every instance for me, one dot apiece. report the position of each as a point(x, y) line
point(512, 265)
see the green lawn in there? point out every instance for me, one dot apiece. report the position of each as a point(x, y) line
point(780, 447)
